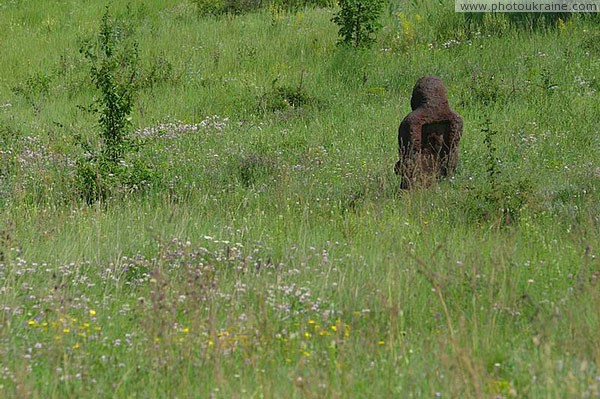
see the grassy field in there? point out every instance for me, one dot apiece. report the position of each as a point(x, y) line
point(273, 254)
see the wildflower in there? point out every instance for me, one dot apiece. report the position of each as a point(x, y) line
point(76, 346)
point(186, 330)
point(32, 323)
point(66, 330)
point(306, 335)
point(92, 312)
point(334, 328)
point(381, 342)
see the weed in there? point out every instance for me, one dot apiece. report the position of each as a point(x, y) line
point(279, 258)
point(402, 35)
point(160, 70)
point(486, 88)
point(255, 168)
point(500, 198)
point(358, 21)
point(219, 7)
point(35, 88)
point(591, 43)
point(285, 97)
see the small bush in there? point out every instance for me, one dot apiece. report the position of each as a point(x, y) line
point(34, 89)
point(500, 198)
point(297, 4)
point(285, 97)
point(358, 21)
point(255, 168)
point(220, 7)
point(591, 43)
point(485, 88)
point(160, 70)
point(113, 61)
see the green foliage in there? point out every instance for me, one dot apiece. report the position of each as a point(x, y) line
point(113, 68)
point(500, 198)
point(219, 7)
point(35, 88)
point(275, 256)
point(285, 97)
point(358, 21)
point(592, 43)
point(297, 4)
point(485, 88)
point(113, 60)
point(255, 168)
point(159, 70)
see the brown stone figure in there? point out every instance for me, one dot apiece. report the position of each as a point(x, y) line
point(428, 137)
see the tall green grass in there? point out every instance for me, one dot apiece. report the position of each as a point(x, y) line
point(275, 256)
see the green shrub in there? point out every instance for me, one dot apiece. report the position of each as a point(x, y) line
point(35, 88)
point(285, 97)
point(113, 59)
point(500, 198)
point(297, 4)
point(255, 168)
point(220, 7)
point(358, 21)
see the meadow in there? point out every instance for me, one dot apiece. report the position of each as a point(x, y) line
point(270, 251)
